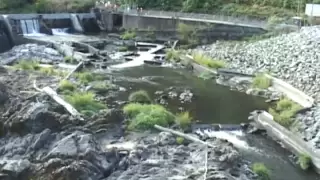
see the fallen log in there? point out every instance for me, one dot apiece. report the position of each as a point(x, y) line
point(53, 94)
point(79, 66)
point(186, 136)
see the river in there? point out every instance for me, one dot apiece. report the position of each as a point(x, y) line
point(211, 103)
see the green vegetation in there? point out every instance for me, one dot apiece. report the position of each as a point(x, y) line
point(69, 59)
point(206, 75)
point(305, 161)
point(172, 55)
point(145, 116)
point(252, 8)
point(85, 77)
point(207, 61)
point(84, 102)
point(101, 87)
point(27, 65)
point(31, 65)
point(187, 34)
point(284, 111)
point(180, 140)
point(45, 6)
point(129, 34)
point(261, 81)
point(184, 120)
point(123, 48)
point(261, 170)
point(140, 96)
point(66, 85)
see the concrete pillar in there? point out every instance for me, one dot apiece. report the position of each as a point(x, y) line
point(108, 21)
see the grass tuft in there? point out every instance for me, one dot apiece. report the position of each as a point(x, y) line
point(27, 65)
point(127, 35)
point(184, 119)
point(284, 111)
point(85, 102)
point(173, 55)
point(305, 161)
point(261, 82)
point(66, 85)
point(140, 96)
point(207, 61)
point(145, 116)
point(85, 77)
point(261, 170)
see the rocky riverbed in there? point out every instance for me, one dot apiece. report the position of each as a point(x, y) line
point(40, 140)
point(292, 57)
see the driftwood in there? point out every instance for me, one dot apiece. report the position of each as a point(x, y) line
point(175, 44)
point(186, 136)
point(53, 94)
point(79, 66)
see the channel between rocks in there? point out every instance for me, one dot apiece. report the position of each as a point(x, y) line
point(265, 120)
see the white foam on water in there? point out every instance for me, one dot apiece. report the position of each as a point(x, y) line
point(35, 34)
point(60, 31)
point(133, 63)
point(231, 136)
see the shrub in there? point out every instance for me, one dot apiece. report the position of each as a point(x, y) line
point(304, 161)
point(283, 112)
point(128, 35)
point(123, 48)
point(101, 87)
point(85, 102)
point(184, 119)
point(145, 116)
point(27, 65)
point(85, 77)
point(172, 55)
point(140, 96)
point(70, 59)
point(180, 140)
point(207, 61)
point(66, 85)
point(47, 70)
point(261, 170)
point(261, 82)
point(206, 75)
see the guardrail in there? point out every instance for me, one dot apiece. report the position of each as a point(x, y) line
point(213, 17)
point(233, 19)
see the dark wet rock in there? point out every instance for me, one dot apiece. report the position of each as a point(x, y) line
point(41, 53)
point(34, 117)
point(161, 157)
point(3, 94)
point(3, 70)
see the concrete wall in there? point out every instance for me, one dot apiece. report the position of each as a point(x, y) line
point(5, 40)
point(212, 29)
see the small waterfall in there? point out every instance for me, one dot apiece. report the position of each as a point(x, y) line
point(60, 31)
point(30, 27)
point(76, 23)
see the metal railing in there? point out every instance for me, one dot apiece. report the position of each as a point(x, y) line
point(245, 20)
point(198, 16)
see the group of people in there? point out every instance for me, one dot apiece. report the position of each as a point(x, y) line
point(112, 6)
point(107, 4)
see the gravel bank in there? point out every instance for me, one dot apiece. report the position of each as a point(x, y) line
point(293, 57)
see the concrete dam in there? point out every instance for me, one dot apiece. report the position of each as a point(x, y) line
point(14, 27)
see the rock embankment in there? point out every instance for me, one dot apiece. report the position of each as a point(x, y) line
point(39, 140)
point(293, 57)
point(41, 53)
